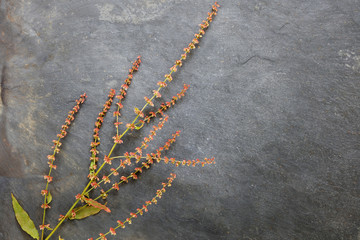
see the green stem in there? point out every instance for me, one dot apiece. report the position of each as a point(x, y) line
point(67, 214)
point(58, 225)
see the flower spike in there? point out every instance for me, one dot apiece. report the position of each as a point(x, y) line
point(51, 158)
point(96, 138)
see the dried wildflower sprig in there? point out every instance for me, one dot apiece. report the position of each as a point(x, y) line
point(137, 124)
point(139, 211)
point(51, 158)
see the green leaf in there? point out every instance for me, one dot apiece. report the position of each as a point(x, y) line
point(48, 198)
point(96, 204)
point(84, 212)
point(23, 219)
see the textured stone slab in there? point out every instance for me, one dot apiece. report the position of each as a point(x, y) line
point(274, 97)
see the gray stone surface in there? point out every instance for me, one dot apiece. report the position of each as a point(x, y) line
point(274, 97)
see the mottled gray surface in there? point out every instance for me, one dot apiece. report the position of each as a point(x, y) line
point(274, 97)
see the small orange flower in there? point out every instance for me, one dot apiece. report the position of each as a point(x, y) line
point(116, 186)
point(148, 101)
point(73, 213)
point(106, 179)
point(95, 184)
point(124, 179)
point(162, 84)
point(42, 227)
point(117, 139)
point(45, 206)
point(113, 170)
point(121, 224)
point(78, 196)
point(102, 236)
point(48, 178)
point(140, 211)
point(134, 176)
point(173, 68)
point(156, 93)
point(112, 231)
point(107, 160)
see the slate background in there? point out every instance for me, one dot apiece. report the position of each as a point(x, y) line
point(274, 97)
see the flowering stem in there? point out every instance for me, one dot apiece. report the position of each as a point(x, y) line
point(51, 158)
point(98, 125)
point(132, 125)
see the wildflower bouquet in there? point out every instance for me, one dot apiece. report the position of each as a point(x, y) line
point(85, 205)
